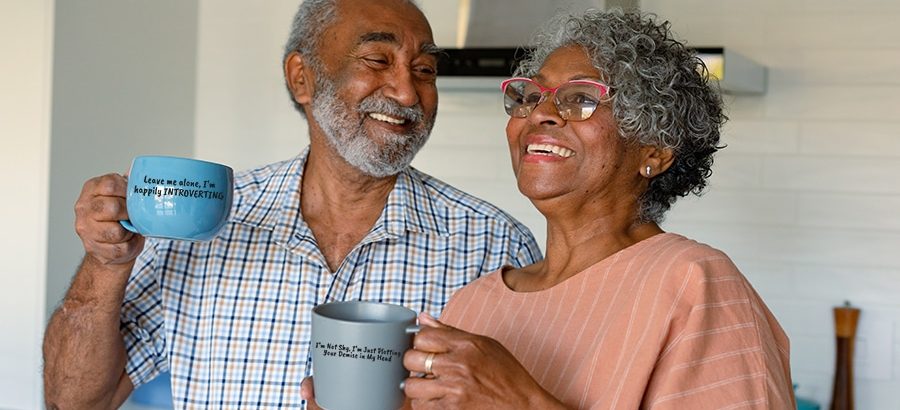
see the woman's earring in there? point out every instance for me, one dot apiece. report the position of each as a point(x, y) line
point(649, 171)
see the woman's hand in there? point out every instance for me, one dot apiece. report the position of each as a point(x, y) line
point(468, 371)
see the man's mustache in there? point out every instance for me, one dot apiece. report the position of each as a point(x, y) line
point(388, 106)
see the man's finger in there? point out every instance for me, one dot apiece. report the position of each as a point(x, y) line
point(107, 208)
point(108, 185)
point(307, 391)
point(112, 233)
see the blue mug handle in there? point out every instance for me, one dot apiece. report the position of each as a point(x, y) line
point(127, 225)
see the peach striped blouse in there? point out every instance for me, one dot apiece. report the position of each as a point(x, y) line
point(667, 323)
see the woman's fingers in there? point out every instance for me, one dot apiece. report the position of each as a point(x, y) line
point(419, 389)
point(435, 336)
point(428, 320)
point(418, 361)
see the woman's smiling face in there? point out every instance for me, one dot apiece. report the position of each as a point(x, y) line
point(579, 160)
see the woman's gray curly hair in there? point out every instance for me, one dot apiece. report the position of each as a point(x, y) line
point(661, 93)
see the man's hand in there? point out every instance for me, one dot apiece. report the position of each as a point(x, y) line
point(84, 354)
point(98, 211)
point(308, 393)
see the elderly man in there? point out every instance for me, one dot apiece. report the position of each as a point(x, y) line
point(346, 219)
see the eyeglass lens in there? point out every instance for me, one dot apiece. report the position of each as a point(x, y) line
point(574, 101)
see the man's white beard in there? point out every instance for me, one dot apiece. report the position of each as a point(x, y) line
point(345, 131)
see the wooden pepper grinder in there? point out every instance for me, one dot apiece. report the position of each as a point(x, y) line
point(845, 320)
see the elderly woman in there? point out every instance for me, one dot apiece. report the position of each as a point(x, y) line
point(611, 120)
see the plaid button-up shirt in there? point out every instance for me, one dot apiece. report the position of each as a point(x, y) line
point(230, 318)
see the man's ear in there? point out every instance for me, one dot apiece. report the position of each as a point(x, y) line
point(655, 160)
point(298, 78)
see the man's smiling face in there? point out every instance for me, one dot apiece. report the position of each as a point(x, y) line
point(376, 98)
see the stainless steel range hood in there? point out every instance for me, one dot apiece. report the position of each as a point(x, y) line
point(504, 23)
point(486, 37)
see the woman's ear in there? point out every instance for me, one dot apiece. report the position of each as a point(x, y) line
point(655, 160)
point(298, 78)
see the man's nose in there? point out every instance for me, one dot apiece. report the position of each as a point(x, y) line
point(401, 87)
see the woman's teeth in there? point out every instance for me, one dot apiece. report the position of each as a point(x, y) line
point(387, 119)
point(547, 149)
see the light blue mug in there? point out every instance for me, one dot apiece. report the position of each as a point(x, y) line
point(178, 198)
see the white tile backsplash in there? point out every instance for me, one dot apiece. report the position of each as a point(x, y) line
point(832, 174)
point(727, 205)
point(761, 137)
point(852, 138)
point(830, 246)
point(816, 355)
point(812, 29)
point(869, 288)
point(831, 102)
point(851, 65)
point(736, 171)
point(855, 211)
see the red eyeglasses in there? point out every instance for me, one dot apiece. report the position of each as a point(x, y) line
point(575, 100)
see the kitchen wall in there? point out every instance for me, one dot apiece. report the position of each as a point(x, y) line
point(26, 38)
point(804, 198)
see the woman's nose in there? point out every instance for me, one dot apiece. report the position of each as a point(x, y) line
point(546, 112)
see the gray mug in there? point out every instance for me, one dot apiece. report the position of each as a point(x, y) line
point(358, 354)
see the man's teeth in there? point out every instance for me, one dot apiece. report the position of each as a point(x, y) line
point(547, 149)
point(387, 119)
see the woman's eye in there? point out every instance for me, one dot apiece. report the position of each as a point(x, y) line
point(532, 98)
point(580, 99)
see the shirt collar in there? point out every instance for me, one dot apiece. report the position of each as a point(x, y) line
point(411, 206)
point(268, 197)
point(275, 204)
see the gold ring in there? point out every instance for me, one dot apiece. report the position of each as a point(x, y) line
point(429, 361)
